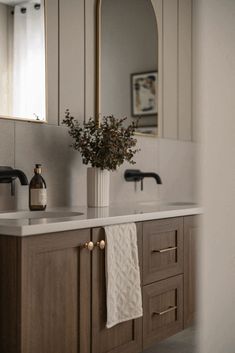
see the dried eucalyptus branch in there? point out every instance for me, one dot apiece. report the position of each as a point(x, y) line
point(106, 146)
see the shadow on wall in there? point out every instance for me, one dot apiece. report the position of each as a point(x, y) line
point(7, 202)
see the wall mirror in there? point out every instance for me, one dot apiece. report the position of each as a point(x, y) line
point(22, 60)
point(127, 62)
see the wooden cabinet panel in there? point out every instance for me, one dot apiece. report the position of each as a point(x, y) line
point(9, 301)
point(56, 293)
point(125, 337)
point(163, 309)
point(162, 249)
point(191, 230)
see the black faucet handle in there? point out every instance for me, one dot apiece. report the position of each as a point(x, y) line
point(133, 175)
point(3, 178)
point(8, 174)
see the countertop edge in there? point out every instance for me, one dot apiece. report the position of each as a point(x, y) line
point(30, 230)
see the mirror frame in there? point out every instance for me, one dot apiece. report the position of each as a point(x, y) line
point(98, 67)
point(17, 119)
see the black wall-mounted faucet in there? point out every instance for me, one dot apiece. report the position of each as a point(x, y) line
point(8, 175)
point(137, 175)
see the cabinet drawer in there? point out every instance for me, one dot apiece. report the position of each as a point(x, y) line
point(162, 249)
point(163, 309)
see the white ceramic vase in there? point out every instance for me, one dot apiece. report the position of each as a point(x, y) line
point(98, 182)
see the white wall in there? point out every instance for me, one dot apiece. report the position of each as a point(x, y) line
point(214, 68)
point(26, 144)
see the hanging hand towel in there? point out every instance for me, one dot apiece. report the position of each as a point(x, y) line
point(124, 300)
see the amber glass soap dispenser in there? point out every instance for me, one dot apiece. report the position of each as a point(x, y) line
point(37, 191)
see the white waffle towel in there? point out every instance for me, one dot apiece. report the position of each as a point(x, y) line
point(124, 299)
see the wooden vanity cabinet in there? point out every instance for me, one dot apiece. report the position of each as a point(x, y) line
point(53, 297)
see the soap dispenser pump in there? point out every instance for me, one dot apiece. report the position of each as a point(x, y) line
point(37, 191)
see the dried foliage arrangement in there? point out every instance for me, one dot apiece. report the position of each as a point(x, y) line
point(106, 146)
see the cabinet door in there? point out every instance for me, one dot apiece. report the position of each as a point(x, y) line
point(56, 293)
point(9, 300)
point(163, 309)
point(190, 240)
point(123, 338)
point(162, 249)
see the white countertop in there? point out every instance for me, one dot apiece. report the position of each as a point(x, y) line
point(96, 217)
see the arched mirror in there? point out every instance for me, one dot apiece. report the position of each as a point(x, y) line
point(23, 60)
point(127, 62)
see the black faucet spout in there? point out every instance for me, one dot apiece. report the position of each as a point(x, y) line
point(154, 176)
point(137, 175)
point(8, 174)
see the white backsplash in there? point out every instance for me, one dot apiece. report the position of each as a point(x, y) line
point(177, 167)
point(24, 144)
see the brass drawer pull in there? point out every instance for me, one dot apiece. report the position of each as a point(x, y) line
point(101, 244)
point(89, 245)
point(171, 308)
point(161, 251)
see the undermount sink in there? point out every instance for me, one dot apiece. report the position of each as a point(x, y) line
point(39, 214)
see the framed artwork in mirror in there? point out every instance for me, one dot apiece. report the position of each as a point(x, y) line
point(144, 90)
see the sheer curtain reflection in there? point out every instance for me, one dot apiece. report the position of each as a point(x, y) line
point(29, 61)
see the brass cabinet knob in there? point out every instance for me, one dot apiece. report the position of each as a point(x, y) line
point(101, 244)
point(89, 246)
